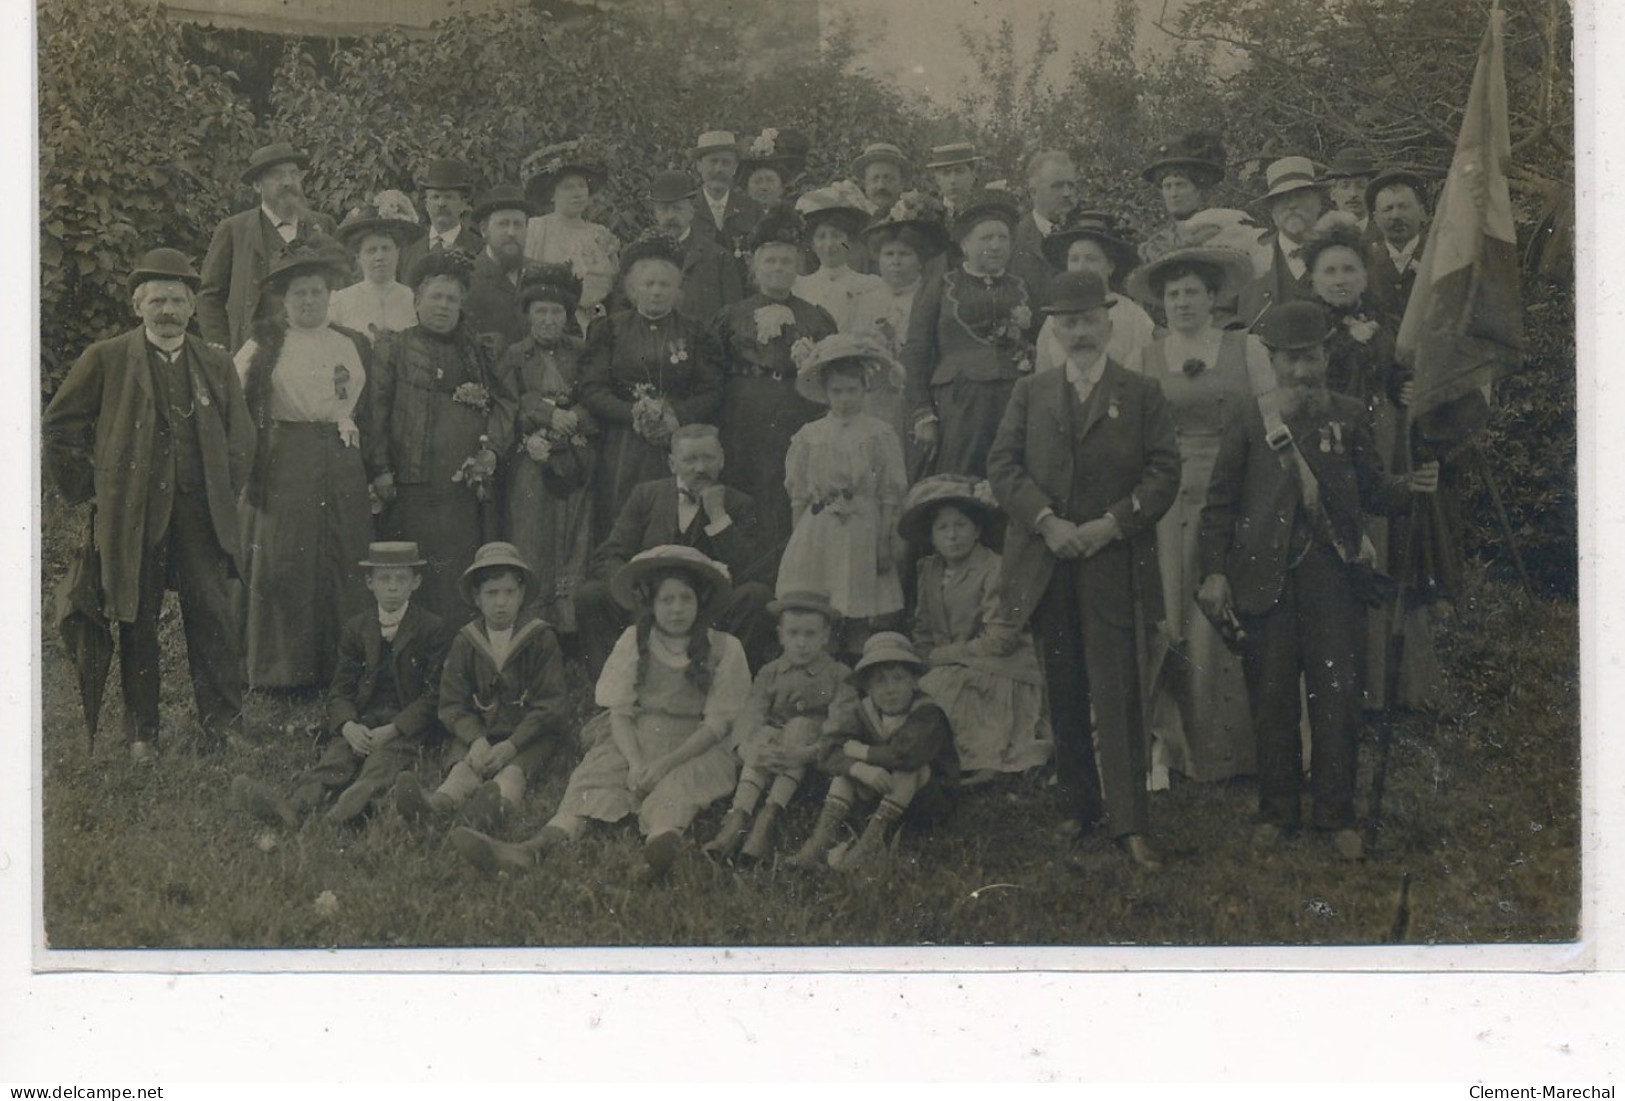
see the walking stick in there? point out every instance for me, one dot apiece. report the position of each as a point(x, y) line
point(1394, 655)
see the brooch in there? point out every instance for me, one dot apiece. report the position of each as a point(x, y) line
point(1112, 411)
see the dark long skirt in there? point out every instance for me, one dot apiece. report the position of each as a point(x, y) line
point(969, 415)
point(448, 524)
point(759, 416)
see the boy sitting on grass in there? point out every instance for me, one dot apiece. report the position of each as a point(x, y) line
point(501, 696)
point(778, 731)
point(382, 703)
point(894, 745)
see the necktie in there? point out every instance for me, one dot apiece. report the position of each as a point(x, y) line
point(438, 244)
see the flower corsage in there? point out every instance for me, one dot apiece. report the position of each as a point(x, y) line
point(1362, 329)
point(474, 395)
point(771, 322)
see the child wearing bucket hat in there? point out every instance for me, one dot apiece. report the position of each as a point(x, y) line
point(670, 690)
point(501, 695)
point(777, 732)
point(845, 477)
point(381, 706)
point(985, 673)
point(893, 745)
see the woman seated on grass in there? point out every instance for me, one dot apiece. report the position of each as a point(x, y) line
point(671, 689)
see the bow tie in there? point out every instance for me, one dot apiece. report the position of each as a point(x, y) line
point(688, 495)
point(1295, 254)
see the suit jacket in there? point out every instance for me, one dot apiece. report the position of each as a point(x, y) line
point(1027, 260)
point(523, 700)
point(239, 254)
point(100, 435)
point(1252, 499)
point(411, 668)
point(649, 519)
point(1274, 286)
point(712, 277)
point(1387, 289)
point(739, 217)
point(1117, 454)
point(491, 310)
point(466, 241)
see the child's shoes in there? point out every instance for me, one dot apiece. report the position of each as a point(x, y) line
point(867, 848)
point(416, 805)
point(660, 853)
point(727, 838)
point(484, 810)
point(351, 803)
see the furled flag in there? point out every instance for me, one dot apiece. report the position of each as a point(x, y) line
point(1463, 326)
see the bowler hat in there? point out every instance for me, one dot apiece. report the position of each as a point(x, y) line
point(1091, 225)
point(1389, 176)
point(888, 648)
point(163, 263)
point(877, 361)
point(673, 186)
point(715, 141)
point(706, 571)
point(946, 156)
point(928, 495)
point(268, 156)
point(1289, 174)
point(804, 601)
point(1078, 292)
point(381, 555)
point(880, 151)
point(1293, 325)
point(496, 554)
point(1235, 270)
point(503, 197)
point(1349, 163)
point(1200, 153)
point(445, 174)
point(916, 218)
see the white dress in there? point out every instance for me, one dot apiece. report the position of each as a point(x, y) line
point(592, 252)
point(838, 291)
point(371, 310)
point(885, 312)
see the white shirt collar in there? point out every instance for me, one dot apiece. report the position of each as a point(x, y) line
point(1045, 226)
point(1402, 256)
point(275, 219)
point(165, 343)
point(1084, 379)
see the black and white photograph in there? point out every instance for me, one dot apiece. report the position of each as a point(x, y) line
point(537, 474)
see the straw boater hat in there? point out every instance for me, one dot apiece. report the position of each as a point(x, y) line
point(445, 174)
point(878, 365)
point(163, 264)
point(842, 204)
point(502, 197)
point(269, 156)
point(1235, 270)
point(1199, 154)
point(946, 156)
point(1349, 163)
point(917, 219)
point(1394, 176)
point(880, 151)
point(1293, 325)
point(543, 169)
point(928, 495)
point(390, 213)
point(496, 554)
point(1287, 175)
point(888, 648)
point(804, 601)
point(384, 555)
point(714, 141)
point(1089, 225)
point(317, 254)
point(709, 573)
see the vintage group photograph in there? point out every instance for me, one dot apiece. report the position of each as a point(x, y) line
point(806, 473)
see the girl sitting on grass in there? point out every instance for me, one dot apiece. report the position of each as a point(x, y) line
point(671, 689)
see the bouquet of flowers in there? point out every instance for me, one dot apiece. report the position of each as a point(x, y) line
point(766, 143)
point(1009, 335)
point(479, 471)
point(771, 322)
point(474, 395)
point(650, 413)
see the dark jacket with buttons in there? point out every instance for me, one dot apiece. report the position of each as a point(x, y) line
point(405, 670)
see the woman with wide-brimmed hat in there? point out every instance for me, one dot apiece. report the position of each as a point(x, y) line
point(1090, 240)
point(761, 409)
point(771, 162)
point(670, 692)
point(1200, 722)
point(647, 370)
point(306, 515)
point(835, 216)
point(969, 339)
point(377, 233)
point(562, 178)
point(549, 509)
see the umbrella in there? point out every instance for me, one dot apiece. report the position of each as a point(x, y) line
point(86, 634)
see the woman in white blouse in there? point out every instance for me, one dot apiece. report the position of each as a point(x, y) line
point(376, 233)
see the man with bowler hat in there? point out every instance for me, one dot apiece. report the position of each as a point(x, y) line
point(445, 187)
point(150, 427)
point(1398, 202)
point(1282, 556)
point(1347, 179)
point(244, 243)
point(491, 309)
point(712, 278)
point(1085, 462)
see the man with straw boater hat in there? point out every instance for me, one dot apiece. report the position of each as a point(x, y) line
point(445, 187)
point(726, 212)
point(953, 170)
point(1085, 462)
point(151, 428)
point(1294, 202)
point(243, 244)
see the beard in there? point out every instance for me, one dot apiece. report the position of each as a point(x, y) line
point(1297, 399)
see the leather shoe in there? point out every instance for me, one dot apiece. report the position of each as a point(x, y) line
point(1140, 851)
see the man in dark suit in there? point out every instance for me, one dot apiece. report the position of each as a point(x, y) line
point(1052, 182)
point(694, 509)
point(1085, 462)
point(1279, 537)
point(712, 278)
point(151, 428)
point(1399, 210)
point(1294, 203)
point(1347, 180)
point(491, 309)
point(728, 214)
point(446, 187)
point(244, 243)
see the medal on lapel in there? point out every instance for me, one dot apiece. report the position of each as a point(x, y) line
point(1325, 440)
point(1112, 411)
point(1337, 437)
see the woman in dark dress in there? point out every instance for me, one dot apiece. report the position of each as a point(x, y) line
point(447, 413)
point(647, 370)
point(761, 410)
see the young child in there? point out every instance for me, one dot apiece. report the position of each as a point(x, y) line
point(381, 706)
point(985, 675)
point(777, 733)
point(671, 690)
point(501, 696)
point(894, 745)
point(845, 477)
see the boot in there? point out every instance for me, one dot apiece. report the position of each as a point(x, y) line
point(660, 853)
point(485, 811)
point(727, 838)
point(811, 855)
point(351, 803)
point(761, 832)
point(262, 804)
point(416, 805)
point(871, 845)
point(490, 855)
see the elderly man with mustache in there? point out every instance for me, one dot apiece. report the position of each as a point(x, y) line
point(243, 244)
point(1295, 200)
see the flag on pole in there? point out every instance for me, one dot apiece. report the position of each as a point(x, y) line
point(1463, 326)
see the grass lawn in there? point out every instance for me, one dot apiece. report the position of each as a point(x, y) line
point(1482, 815)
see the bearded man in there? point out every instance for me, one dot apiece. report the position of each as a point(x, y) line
point(1295, 200)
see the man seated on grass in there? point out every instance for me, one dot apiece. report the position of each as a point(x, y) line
point(381, 706)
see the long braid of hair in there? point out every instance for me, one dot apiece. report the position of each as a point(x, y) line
point(268, 335)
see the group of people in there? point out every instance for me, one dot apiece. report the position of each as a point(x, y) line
point(909, 488)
